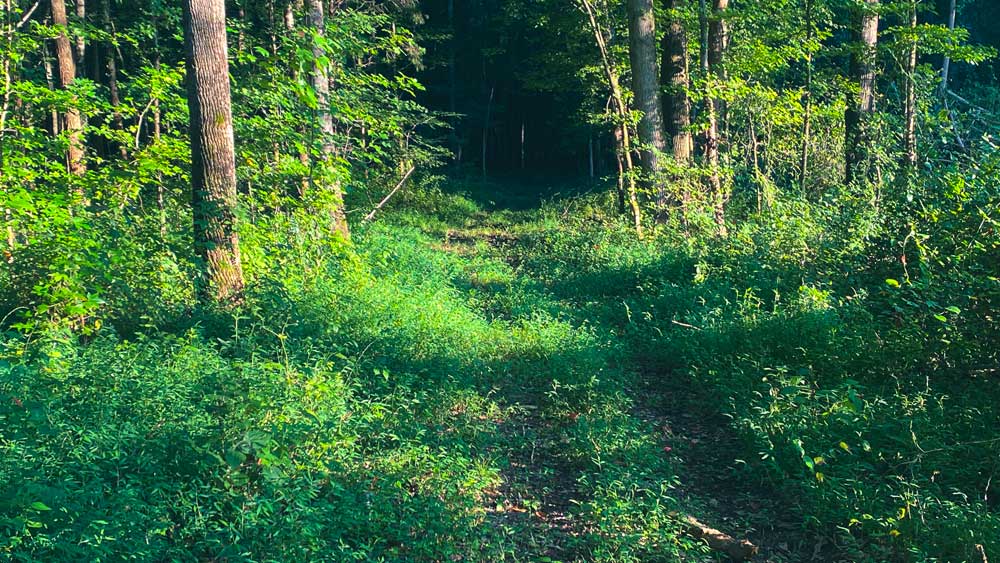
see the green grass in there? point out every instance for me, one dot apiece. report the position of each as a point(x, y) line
point(404, 400)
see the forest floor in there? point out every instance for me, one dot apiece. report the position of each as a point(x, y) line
point(702, 474)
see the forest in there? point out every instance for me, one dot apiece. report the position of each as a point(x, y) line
point(604, 281)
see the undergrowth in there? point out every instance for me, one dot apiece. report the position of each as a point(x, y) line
point(467, 383)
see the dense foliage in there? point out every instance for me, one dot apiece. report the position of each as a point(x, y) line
point(495, 365)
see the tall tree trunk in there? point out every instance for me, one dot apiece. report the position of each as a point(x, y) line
point(523, 130)
point(646, 87)
point(321, 84)
point(81, 39)
point(50, 80)
point(213, 157)
point(674, 79)
point(910, 111)
point(453, 139)
point(8, 80)
point(807, 110)
point(860, 107)
point(486, 126)
point(622, 192)
point(718, 44)
point(946, 64)
point(241, 34)
point(112, 69)
point(294, 7)
point(73, 122)
point(7, 70)
point(712, 67)
point(622, 133)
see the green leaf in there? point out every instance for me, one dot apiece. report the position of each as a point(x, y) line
point(235, 458)
point(39, 506)
point(892, 283)
point(809, 462)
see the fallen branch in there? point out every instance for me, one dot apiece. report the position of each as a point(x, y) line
point(26, 16)
point(685, 325)
point(386, 199)
point(738, 550)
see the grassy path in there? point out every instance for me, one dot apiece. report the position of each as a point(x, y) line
point(609, 474)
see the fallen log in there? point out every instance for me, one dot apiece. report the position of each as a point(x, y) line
point(738, 550)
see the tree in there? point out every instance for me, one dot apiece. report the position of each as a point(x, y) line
point(946, 63)
point(112, 71)
point(646, 87)
point(213, 160)
point(861, 105)
point(807, 109)
point(674, 79)
point(910, 108)
point(716, 31)
point(73, 121)
point(321, 85)
point(622, 134)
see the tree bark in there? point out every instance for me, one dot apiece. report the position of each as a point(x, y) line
point(807, 110)
point(910, 111)
point(486, 126)
point(81, 40)
point(112, 69)
point(674, 79)
point(73, 121)
point(321, 84)
point(646, 87)
point(860, 107)
point(946, 64)
point(453, 139)
point(8, 79)
point(213, 160)
point(712, 67)
point(50, 80)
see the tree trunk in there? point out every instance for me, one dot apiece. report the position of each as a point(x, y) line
point(646, 87)
point(486, 126)
point(859, 109)
point(523, 131)
point(718, 44)
point(8, 81)
point(112, 69)
point(620, 161)
point(294, 7)
point(453, 139)
point(73, 122)
point(626, 166)
point(321, 84)
point(213, 160)
point(807, 110)
point(910, 111)
point(946, 64)
point(712, 67)
point(50, 80)
point(81, 40)
point(674, 79)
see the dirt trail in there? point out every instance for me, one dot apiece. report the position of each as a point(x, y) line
point(714, 483)
point(539, 496)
